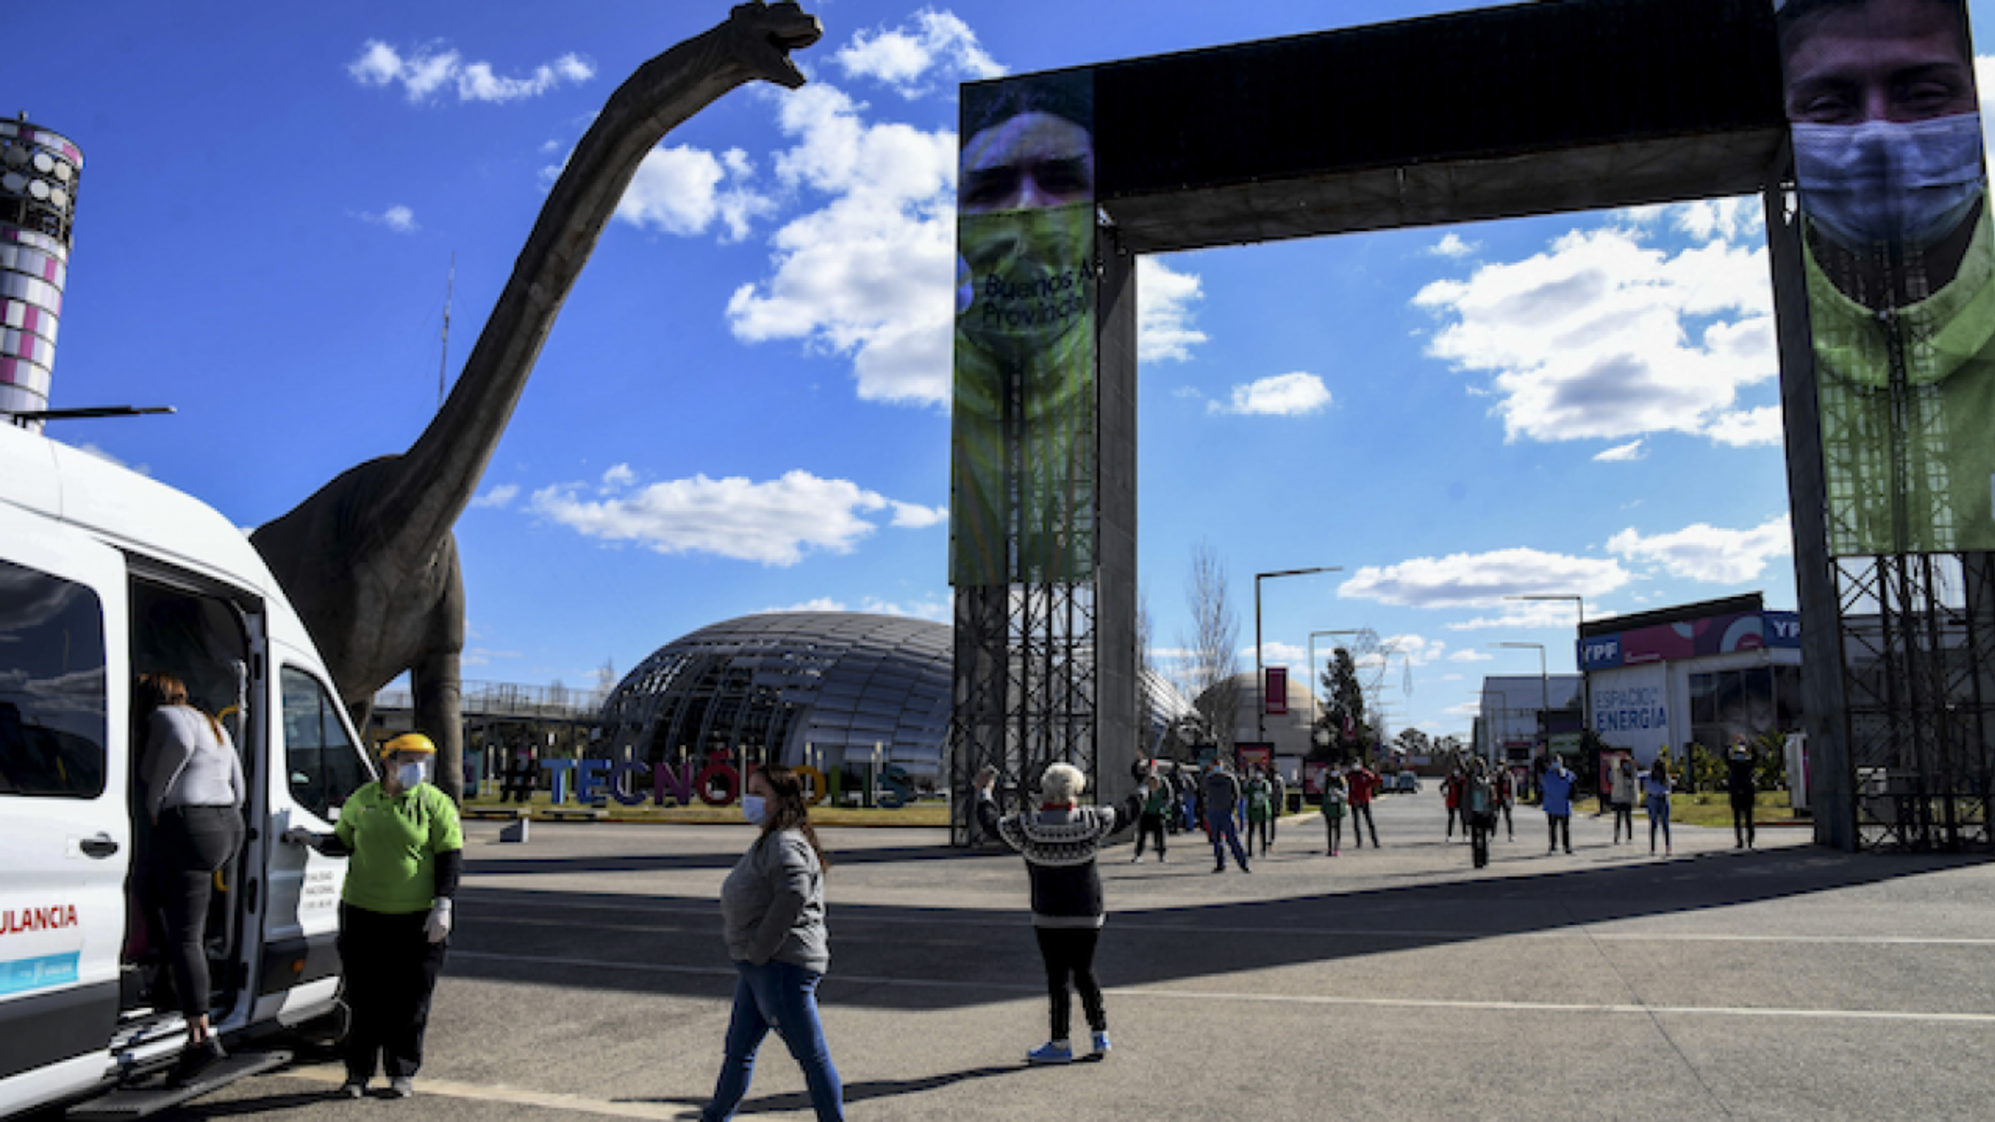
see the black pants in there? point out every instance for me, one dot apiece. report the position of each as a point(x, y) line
point(1150, 825)
point(1624, 820)
point(190, 844)
point(1452, 812)
point(1263, 829)
point(1478, 826)
point(1742, 819)
point(1361, 820)
point(1558, 824)
point(1508, 828)
point(1069, 951)
point(391, 971)
point(1335, 827)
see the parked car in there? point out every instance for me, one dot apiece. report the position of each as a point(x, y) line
point(1406, 782)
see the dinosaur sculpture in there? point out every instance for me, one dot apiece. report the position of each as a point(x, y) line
point(369, 560)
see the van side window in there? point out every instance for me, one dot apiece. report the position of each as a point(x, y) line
point(322, 762)
point(53, 706)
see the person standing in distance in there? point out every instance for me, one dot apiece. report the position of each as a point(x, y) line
point(1364, 784)
point(1222, 796)
point(1556, 788)
point(1656, 787)
point(395, 912)
point(1740, 782)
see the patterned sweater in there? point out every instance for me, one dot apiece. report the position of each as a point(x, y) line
point(1059, 847)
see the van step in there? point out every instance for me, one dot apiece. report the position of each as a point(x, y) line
point(139, 1100)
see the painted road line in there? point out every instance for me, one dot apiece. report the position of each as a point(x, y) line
point(1160, 992)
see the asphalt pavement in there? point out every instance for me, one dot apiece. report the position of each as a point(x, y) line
point(587, 979)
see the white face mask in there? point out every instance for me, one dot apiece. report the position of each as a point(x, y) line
point(754, 808)
point(1908, 184)
point(411, 775)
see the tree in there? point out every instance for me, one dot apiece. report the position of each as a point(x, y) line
point(1213, 648)
point(1343, 713)
point(1414, 742)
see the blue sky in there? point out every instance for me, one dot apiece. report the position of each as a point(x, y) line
point(743, 404)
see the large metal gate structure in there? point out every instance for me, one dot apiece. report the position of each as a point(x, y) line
point(1528, 109)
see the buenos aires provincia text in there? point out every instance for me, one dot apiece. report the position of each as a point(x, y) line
point(1052, 300)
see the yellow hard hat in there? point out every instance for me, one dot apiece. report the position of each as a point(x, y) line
point(409, 742)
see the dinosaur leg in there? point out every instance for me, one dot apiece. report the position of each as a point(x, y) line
point(440, 714)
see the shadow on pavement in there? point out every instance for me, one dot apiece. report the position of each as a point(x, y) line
point(684, 862)
point(927, 958)
point(854, 1092)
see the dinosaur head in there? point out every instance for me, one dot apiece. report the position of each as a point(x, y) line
point(763, 35)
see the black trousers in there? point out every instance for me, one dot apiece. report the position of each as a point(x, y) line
point(190, 843)
point(1265, 830)
point(1069, 952)
point(1361, 820)
point(1742, 819)
point(1150, 825)
point(1479, 827)
point(391, 971)
point(1556, 824)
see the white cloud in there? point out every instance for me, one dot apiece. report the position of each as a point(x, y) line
point(1452, 245)
point(619, 475)
point(914, 516)
point(776, 522)
point(1477, 580)
point(1727, 219)
point(429, 68)
point(398, 218)
point(871, 273)
point(1451, 677)
point(1469, 654)
point(1602, 337)
point(1188, 393)
point(1416, 649)
point(1706, 553)
point(497, 498)
point(1622, 453)
point(937, 45)
point(936, 608)
point(679, 190)
point(1747, 427)
point(1164, 298)
point(1284, 395)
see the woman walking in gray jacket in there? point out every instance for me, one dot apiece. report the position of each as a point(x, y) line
point(772, 904)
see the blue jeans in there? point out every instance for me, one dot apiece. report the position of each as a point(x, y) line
point(781, 996)
point(1225, 833)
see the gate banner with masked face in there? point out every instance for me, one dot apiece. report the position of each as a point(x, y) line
point(1022, 449)
point(1888, 160)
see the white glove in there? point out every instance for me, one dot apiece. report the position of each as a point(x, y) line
point(298, 835)
point(437, 927)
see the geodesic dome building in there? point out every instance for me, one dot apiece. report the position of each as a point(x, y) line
point(819, 688)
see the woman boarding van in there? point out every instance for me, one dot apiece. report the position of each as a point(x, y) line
point(105, 575)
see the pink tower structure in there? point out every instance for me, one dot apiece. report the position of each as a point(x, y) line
point(39, 170)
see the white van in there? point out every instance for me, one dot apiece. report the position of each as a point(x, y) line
point(105, 575)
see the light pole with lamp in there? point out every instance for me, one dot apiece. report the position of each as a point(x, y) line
point(1585, 689)
point(1260, 672)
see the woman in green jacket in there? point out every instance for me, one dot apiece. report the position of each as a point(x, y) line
point(407, 846)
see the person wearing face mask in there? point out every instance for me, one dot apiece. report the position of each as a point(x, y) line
point(772, 909)
point(1900, 268)
point(395, 912)
point(1023, 413)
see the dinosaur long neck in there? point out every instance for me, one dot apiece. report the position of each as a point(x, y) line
point(435, 480)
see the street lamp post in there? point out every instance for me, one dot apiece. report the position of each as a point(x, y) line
point(1585, 686)
point(1260, 672)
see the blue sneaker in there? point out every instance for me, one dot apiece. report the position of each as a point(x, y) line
point(1051, 1052)
point(1101, 1044)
